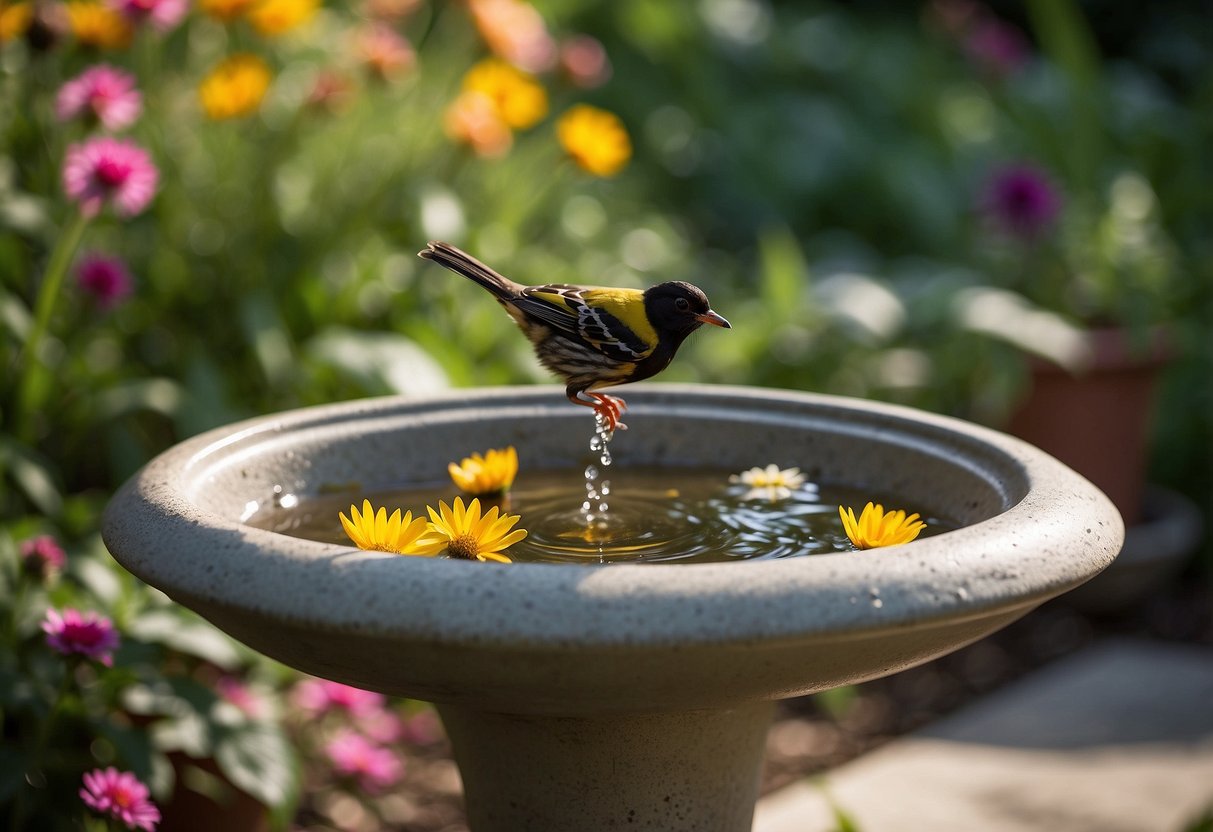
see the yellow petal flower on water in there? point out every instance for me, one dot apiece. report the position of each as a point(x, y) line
point(400, 534)
point(93, 23)
point(876, 528)
point(595, 139)
point(772, 483)
point(470, 535)
point(235, 87)
point(519, 99)
point(492, 473)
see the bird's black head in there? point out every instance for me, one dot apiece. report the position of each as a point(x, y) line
point(677, 309)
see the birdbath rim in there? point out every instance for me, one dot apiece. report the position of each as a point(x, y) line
point(1055, 531)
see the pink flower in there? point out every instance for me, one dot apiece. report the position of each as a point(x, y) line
point(1021, 200)
point(422, 728)
point(106, 279)
point(381, 725)
point(585, 61)
point(234, 690)
point(102, 93)
point(375, 767)
point(87, 634)
point(120, 795)
point(161, 14)
point(104, 170)
point(41, 556)
point(318, 696)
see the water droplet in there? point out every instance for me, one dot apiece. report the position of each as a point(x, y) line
point(595, 443)
point(877, 603)
point(605, 488)
point(603, 507)
point(591, 472)
point(605, 459)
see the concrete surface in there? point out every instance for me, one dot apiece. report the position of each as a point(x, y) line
point(1118, 738)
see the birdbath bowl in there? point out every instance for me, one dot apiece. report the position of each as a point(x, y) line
point(611, 696)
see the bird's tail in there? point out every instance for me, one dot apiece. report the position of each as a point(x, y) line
point(465, 264)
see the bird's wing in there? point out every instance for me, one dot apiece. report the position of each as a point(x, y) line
point(611, 321)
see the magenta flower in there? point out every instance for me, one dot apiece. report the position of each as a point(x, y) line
point(1021, 200)
point(103, 93)
point(106, 279)
point(318, 696)
point(105, 170)
point(382, 725)
point(234, 690)
point(86, 634)
point(161, 14)
point(373, 766)
point(41, 556)
point(120, 795)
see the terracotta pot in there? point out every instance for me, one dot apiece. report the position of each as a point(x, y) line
point(1097, 420)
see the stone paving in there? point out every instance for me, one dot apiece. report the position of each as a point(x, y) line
point(1116, 738)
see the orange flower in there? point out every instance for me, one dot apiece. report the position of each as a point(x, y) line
point(14, 20)
point(273, 17)
point(95, 24)
point(235, 88)
point(520, 100)
point(595, 139)
point(516, 32)
point(226, 10)
point(472, 119)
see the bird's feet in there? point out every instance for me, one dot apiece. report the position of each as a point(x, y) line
point(610, 408)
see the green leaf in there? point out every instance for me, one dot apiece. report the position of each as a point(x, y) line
point(187, 634)
point(257, 758)
point(32, 474)
point(784, 272)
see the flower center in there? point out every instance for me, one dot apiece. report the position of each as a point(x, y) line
point(111, 172)
point(122, 797)
point(464, 547)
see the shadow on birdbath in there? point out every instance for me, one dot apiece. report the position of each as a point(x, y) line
point(594, 697)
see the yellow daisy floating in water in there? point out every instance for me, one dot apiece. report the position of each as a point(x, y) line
point(468, 535)
point(401, 535)
point(772, 483)
point(520, 100)
point(235, 87)
point(876, 528)
point(596, 139)
point(492, 473)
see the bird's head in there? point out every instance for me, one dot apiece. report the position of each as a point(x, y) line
point(678, 309)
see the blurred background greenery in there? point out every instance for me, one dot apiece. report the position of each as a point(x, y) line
point(904, 202)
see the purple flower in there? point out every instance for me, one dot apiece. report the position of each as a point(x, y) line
point(374, 767)
point(318, 696)
point(161, 14)
point(1021, 200)
point(996, 47)
point(106, 170)
point(41, 556)
point(102, 93)
point(86, 634)
point(106, 279)
point(121, 796)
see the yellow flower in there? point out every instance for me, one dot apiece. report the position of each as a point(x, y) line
point(595, 139)
point(492, 473)
point(96, 24)
point(225, 10)
point(377, 532)
point(273, 17)
point(472, 119)
point(875, 528)
point(521, 101)
point(468, 535)
point(14, 20)
point(771, 482)
point(235, 87)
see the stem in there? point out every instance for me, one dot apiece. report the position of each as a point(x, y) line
point(56, 269)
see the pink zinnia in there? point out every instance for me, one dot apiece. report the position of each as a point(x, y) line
point(161, 14)
point(105, 278)
point(87, 634)
point(104, 170)
point(317, 696)
point(41, 556)
point(101, 92)
point(375, 767)
point(120, 795)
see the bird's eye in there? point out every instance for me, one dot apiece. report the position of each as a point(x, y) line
point(682, 304)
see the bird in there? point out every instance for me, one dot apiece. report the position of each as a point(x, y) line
point(593, 336)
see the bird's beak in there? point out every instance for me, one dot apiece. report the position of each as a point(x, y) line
point(712, 318)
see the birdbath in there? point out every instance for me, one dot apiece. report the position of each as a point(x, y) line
point(594, 697)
